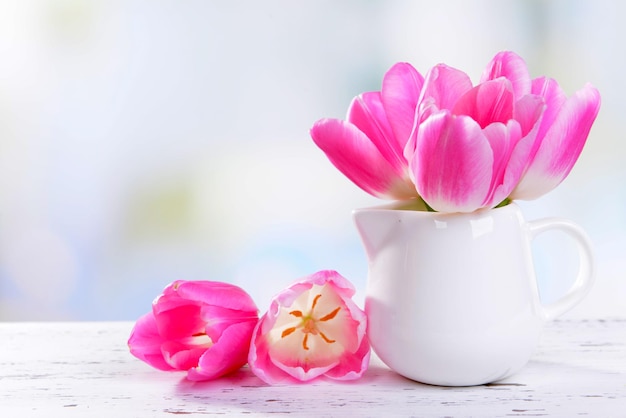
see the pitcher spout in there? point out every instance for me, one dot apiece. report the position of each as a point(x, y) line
point(377, 228)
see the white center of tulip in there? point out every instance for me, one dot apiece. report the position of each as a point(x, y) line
point(310, 324)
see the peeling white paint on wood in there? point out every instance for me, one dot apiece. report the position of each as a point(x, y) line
point(85, 370)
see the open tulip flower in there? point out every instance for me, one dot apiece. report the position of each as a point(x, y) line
point(312, 328)
point(469, 147)
point(369, 147)
point(203, 327)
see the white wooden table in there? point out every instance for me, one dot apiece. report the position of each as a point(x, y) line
point(85, 370)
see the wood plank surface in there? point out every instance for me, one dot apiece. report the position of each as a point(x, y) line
point(83, 369)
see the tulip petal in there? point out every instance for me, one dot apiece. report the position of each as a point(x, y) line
point(353, 366)
point(561, 146)
point(443, 87)
point(228, 354)
point(401, 88)
point(512, 67)
point(181, 356)
point(366, 112)
point(259, 359)
point(514, 147)
point(145, 343)
point(529, 111)
point(217, 319)
point(341, 285)
point(554, 98)
point(522, 145)
point(221, 294)
point(502, 139)
point(178, 322)
point(351, 151)
point(453, 163)
point(487, 103)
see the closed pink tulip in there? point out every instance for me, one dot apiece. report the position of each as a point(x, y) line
point(202, 327)
point(369, 146)
point(312, 329)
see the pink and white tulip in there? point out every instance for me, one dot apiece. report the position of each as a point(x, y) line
point(564, 128)
point(369, 146)
point(202, 327)
point(312, 329)
point(472, 143)
point(509, 137)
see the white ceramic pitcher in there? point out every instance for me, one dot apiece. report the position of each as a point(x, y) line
point(452, 299)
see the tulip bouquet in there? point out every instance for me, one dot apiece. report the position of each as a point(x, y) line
point(457, 146)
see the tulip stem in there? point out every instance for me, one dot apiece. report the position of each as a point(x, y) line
point(428, 208)
point(505, 202)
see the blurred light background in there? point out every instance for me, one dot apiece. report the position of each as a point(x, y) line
point(147, 141)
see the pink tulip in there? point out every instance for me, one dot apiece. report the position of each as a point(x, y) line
point(368, 147)
point(200, 326)
point(312, 329)
point(564, 127)
point(472, 143)
point(509, 137)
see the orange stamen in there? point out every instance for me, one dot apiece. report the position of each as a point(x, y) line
point(287, 332)
point(328, 340)
point(308, 324)
point(315, 302)
point(330, 315)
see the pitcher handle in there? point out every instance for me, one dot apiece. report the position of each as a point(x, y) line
point(585, 278)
